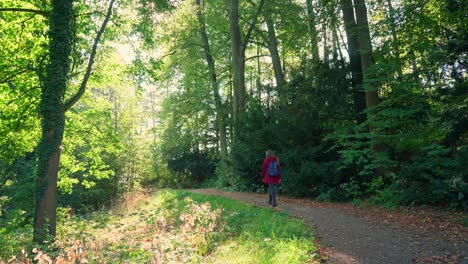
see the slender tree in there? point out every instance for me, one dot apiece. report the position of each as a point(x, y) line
point(371, 91)
point(355, 59)
point(237, 61)
point(325, 40)
point(365, 50)
point(273, 47)
point(311, 20)
point(214, 82)
point(395, 43)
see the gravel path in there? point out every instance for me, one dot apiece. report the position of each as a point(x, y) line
point(347, 238)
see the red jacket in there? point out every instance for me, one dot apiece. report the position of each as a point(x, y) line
point(265, 177)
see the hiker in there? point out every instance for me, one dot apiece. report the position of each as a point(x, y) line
point(271, 175)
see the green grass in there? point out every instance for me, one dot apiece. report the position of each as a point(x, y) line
point(178, 226)
point(259, 235)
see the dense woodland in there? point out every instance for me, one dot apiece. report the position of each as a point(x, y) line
point(361, 100)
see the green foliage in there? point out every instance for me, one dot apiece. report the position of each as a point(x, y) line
point(19, 185)
point(308, 168)
point(14, 234)
point(185, 147)
point(172, 226)
point(103, 154)
point(24, 38)
point(433, 178)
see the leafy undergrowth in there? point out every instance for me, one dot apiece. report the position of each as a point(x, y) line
point(178, 227)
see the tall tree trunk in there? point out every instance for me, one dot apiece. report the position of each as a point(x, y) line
point(238, 58)
point(312, 31)
point(365, 50)
point(414, 66)
point(52, 110)
point(355, 60)
point(325, 47)
point(237, 62)
point(273, 47)
point(334, 27)
point(259, 73)
point(372, 96)
point(214, 82)
point(395, 42)
point(334, 45)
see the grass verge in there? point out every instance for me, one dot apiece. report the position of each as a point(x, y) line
point(179, 227)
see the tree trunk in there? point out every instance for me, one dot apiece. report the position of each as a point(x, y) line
point(52, 110)
point(414, 66)
point(273, 47)
point(238, 57)
point(259, 73)
point(355, 60)
point(325, 47)
point(214, 82)
point(335, 44)
point(334, 27)
point(237, 62)
point(365, 50)
point(395, 42)
point(372, 96)
point(312, 31)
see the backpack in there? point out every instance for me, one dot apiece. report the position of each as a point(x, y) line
point(273, 169)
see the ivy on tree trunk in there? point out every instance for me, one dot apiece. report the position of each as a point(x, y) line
point(52, 109)
point(53, 119)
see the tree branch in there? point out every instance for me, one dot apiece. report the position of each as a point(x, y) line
point(13, 75)
point(257, 56)
point(82, 89)
point(27, 10)
point(262, 36)
point(17, 98)
point(22, 116)
point(252, 25)
point(90, 13)
point(178, 49)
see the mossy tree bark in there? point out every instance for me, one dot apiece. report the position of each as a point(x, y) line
point(52, 110)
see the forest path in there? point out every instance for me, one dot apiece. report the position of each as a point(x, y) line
point(349, 234)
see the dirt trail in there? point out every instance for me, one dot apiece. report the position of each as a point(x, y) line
point(350, 237)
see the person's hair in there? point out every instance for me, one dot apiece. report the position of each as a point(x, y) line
point(269, 153)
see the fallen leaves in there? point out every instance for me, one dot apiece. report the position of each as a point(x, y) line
point(437, 260)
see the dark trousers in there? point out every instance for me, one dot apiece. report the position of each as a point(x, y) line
point(272, 190)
